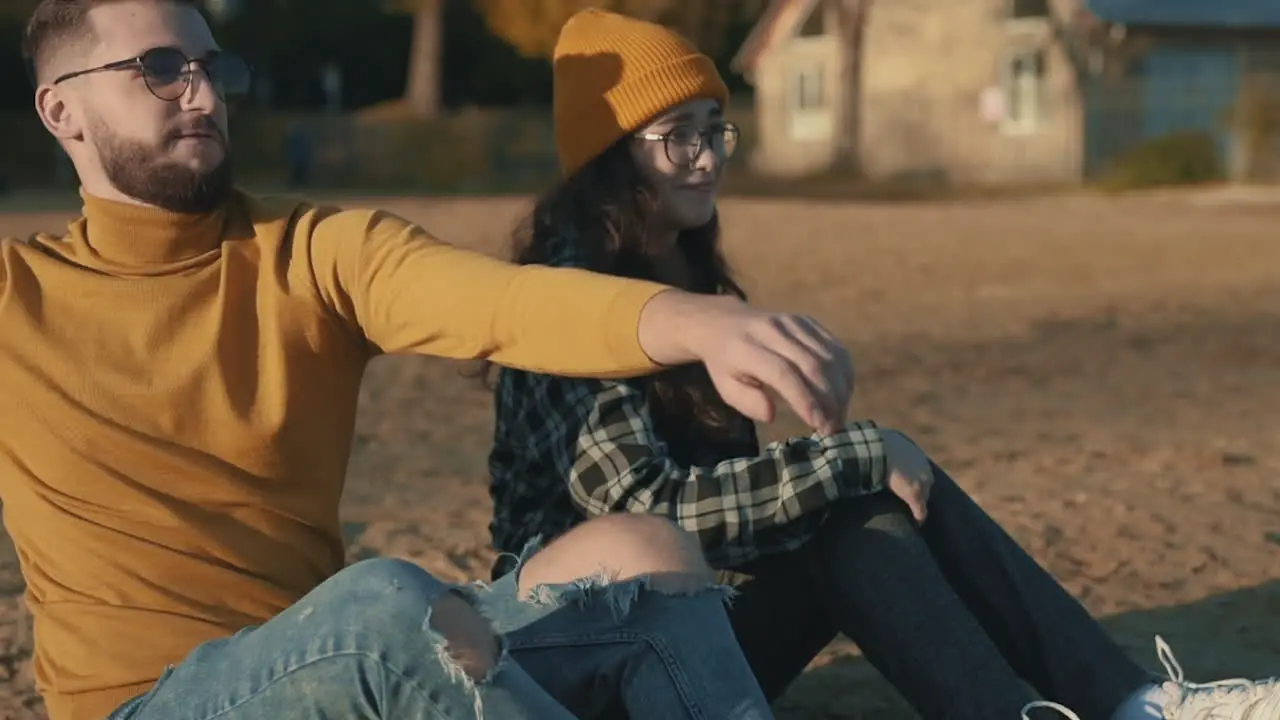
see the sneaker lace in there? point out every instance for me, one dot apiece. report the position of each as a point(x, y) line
point(1046, 705)
point(1232, 699)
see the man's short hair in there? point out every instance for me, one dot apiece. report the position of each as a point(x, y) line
point(54, 24)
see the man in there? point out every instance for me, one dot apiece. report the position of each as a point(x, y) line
point(182, 371)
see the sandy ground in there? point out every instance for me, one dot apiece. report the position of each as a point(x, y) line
point(1102, 374)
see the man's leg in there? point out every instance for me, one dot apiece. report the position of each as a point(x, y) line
point(382, 639)
point(956, 615)
point(623, 611)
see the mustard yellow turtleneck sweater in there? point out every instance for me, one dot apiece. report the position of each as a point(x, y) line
point(180, 393)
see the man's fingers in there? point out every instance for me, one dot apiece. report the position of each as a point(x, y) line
point(838, 359)
point(778, 373)
point(797, 359)
point(811, 362)
point(837, 368)
point(747, 397)
point(809, 333)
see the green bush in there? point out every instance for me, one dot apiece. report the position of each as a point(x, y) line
point(1188, 158)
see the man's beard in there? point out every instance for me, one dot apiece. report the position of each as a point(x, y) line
point(146, 174)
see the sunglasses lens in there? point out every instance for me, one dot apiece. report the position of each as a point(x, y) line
point(165, 71)
point(230, 73)
point(168, 72)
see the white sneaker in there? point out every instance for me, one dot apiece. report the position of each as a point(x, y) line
point(1235, 699)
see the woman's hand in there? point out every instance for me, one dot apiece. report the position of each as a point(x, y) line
point(910, 472)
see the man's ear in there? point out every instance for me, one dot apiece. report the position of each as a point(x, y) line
point(58, 113)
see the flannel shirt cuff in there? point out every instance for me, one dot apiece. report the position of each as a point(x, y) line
point(858, 452)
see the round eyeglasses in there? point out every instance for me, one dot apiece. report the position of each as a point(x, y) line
point(685, 143)
point(167, 72)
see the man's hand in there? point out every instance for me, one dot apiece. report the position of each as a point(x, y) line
point(910, 472)
point(749, 351)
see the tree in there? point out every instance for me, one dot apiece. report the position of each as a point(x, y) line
point(853, 17)
point(422, 81)
point(422, 85)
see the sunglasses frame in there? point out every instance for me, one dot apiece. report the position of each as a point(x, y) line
point(138, 62)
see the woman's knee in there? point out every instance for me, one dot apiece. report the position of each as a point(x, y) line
point(621, 546)
point(650, 543)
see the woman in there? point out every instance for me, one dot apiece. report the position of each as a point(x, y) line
point(852, 532)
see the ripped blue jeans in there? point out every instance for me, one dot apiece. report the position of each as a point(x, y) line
point(360, 647)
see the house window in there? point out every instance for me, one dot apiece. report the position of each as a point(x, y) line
point(1028, 9)
point(809, 89)
point(810, 118)
point(815, 25)
point(1024, 91)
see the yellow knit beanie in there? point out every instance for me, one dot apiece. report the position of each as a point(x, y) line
point(613, 73)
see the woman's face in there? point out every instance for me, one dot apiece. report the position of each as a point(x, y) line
point(682, 154)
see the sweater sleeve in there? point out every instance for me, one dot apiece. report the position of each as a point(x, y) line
point(406, 291)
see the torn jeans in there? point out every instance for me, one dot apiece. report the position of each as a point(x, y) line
point(360, 647)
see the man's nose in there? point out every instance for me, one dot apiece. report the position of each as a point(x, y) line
point(201, 95)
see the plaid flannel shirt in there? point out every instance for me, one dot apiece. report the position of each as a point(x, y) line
point(566, 449)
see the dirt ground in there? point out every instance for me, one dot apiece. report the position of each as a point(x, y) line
point(1102, 374)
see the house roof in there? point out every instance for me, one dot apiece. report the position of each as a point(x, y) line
point(1190, 13)
point(761, 35)
point(779, 15)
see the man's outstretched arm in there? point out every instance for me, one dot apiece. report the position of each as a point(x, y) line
point(406, 291)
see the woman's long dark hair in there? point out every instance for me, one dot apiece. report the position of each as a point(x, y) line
point(599, 219)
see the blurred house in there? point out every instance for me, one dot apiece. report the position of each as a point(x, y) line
point(997, 91)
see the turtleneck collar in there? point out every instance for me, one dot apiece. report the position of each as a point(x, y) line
point(127, 235)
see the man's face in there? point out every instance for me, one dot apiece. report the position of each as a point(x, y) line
point(169, 151)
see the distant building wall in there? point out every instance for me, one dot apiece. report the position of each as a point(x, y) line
point(800, 97)
point(961, 91)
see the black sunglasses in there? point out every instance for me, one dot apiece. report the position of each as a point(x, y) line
point(167, 72)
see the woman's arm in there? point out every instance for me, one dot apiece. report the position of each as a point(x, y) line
point(600, 437)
